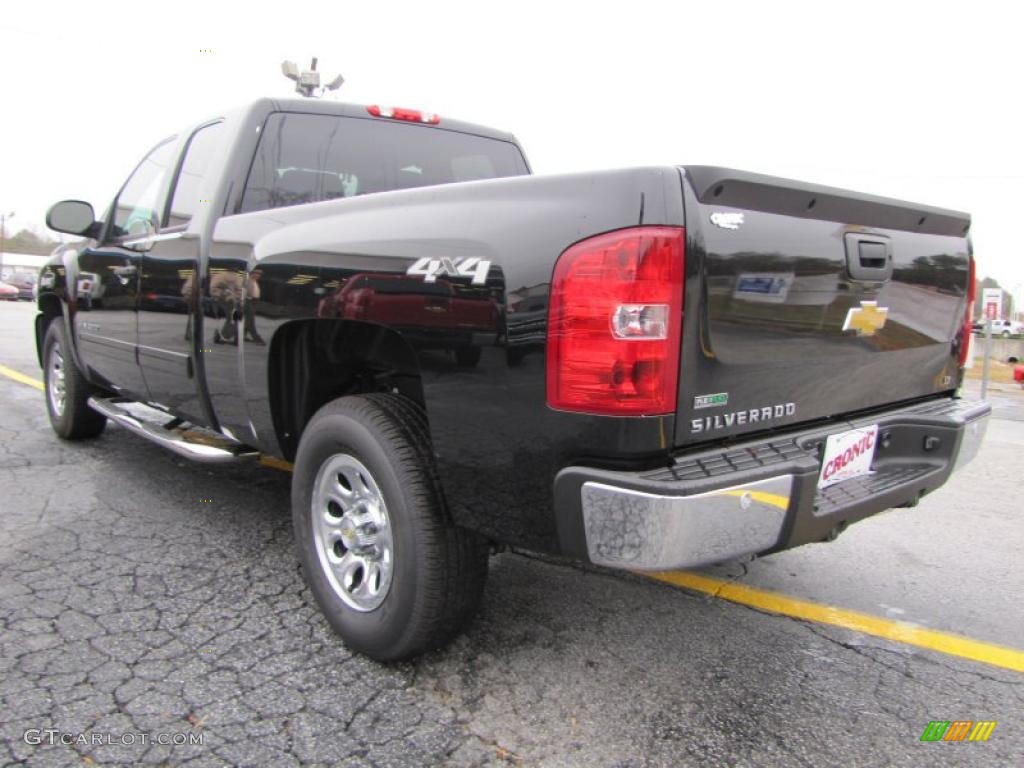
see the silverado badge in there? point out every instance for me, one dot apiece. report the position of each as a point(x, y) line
point(867, 319)
point(750, 417)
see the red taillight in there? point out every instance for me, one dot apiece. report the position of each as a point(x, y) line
point(398, 113)
point(968, 328)
point(614, 322)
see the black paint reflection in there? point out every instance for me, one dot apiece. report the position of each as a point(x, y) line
point(441, 314)
point(107, 292)
point(526, 322)
point(167, 296)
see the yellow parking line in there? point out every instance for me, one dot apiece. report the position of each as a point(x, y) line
point(21, 378)
point(774, 602)
point(771, 499)
point(275, 463)
point(898, 631)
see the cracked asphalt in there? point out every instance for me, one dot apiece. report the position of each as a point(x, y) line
point(130, 606)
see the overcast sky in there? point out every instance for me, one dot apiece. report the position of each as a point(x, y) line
point(920, 101)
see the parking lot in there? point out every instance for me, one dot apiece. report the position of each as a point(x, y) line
point(143, 595)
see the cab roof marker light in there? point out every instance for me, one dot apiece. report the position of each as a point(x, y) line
point(400, 113)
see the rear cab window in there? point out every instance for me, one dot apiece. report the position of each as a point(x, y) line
point(185, 201)
point(308, 158)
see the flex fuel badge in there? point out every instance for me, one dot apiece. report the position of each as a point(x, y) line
point(710, 401)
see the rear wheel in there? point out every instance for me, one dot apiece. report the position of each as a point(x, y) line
point(391, 573)
point(67, 391)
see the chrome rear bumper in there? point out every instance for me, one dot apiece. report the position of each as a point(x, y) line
point(649, 531)
point(762, 496)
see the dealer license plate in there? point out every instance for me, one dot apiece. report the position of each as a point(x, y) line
point(848, 455)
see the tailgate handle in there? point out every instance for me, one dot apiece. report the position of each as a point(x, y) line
point(868, 257)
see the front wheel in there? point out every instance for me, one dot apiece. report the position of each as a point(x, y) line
point(67, 391)
point(391, 573)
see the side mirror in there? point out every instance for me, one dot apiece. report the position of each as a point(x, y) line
point(74, 217)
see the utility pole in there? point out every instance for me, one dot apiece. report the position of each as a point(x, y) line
point(988, 355)
point(992, 307)
point(3, 233)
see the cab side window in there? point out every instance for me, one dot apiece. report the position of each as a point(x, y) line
point(140, 201)
point(200, 151)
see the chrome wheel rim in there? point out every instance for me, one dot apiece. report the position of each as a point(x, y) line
point(352, 532)
point(55, 385)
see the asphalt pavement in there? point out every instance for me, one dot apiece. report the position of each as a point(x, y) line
point(144, 597)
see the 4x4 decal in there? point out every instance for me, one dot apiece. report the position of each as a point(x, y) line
point(431, 269)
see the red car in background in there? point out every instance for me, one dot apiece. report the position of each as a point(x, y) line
point(438, 315)
point(8, 292)
point(25, 283)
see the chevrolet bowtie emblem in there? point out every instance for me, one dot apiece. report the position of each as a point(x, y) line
point(866, 319)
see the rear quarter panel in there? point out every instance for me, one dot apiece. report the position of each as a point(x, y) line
point(498, 445)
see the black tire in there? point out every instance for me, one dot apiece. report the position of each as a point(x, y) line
point(76, 421)
point(439, 569)
point(467, 357)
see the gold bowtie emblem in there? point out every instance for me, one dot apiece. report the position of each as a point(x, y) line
point(866, 319)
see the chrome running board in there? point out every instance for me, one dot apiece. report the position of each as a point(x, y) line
point(160, 427)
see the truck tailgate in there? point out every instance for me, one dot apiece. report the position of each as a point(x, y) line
point(806, 303)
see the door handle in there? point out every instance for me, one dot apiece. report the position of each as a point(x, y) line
point(868, 257)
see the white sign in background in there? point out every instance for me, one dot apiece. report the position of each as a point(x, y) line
point(991, 303)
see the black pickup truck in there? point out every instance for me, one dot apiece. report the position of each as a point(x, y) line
point(647, 369)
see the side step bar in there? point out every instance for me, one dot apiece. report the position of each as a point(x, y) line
point(195, 443)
